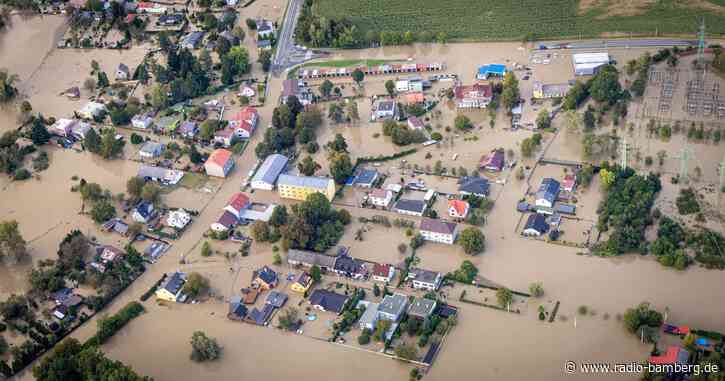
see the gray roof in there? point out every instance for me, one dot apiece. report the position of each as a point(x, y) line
point(437, 226)
point(370, 314)
point(537, 222)
point(329, 300)
point(271, 168)
point(304, 181)
point(423, 275)
point(393, 304)
point(386, 106)
point(151, 172)
point(565, 208)
point(473, 185)
point(410, 205)
point(152, 147)
point(276, 299)
point(311, 258)
point(422, 307)
point(192, 38)
point(174, 283)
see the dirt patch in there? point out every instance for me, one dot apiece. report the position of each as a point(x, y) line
point(615, 7)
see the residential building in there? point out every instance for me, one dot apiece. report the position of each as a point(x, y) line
point(535, 225)
point(110, 253)
point(349, 267)
point(299, 187)
point(192, 40)
point(402, 85)
point(276, 299)
point(143, 212)
point(62, 127)
point(264, 45)
point(188, 129)
point(293, 87)
point(589, 63)
point(425, 279)
point(473, 96)
point(91, 110)
point(170, 20)
point(303, 283)
point(310, 258)
point(225, 137)
point(517, 113)
point(237, 309)
point(415, 123)
point(79, 130)
point(673, 355)
point(472, 185)
point(265, 29)
point(409, 207)
point(167, 124)
point(493, 162)
point(491, 70)
point(414, 98)
point(225, 222)
point(365, 178)
point(458, 209)
point(393, 307)
point(146, 7)
point(229, 36)
point(385, 109)
point(569, 182)
point(219, 163)
point(155, 250)
point(565, 208)
point(380, 197)
point(265, 278)
point(142, 121)
point(553, 90)
point(244, 122)
point(237, 204)
point(151, 150)
point(422, 308)
point(548, 193)
point(260, 317)
point(267, 174)
point(162, 175)
point(122, 73)
point(438, 231)
point(247, 91)
point(383, 272)
point(178, 218)
point(325, 300)
point(370, 316)
point(171, 288)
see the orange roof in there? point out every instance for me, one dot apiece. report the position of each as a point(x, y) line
point(670, 357)
point(245, 119)
point(219, 157)
point(239, 201)
point(381, 269)
point(459, 206)
point(416, 97)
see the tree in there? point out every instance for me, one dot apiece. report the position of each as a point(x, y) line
point(326, 88)
point(307, 166)
point(504, 297)
point(607, 177)
point(358, 76)
point(196, 284)
point(206, 249)
point(340, 166)
point(150, 192)
point(338, 144)
point(390, 87)
point(406, 351)
point(605, 87)
point(381, 328)
point(261, 231)
point(251, 24)
point(279, 216)
point(110, 146)
point(7, 89)
point(542, 120)
point(12, 243)
point(463, 123)
point(134, 185)
point(159, 97)
point(39, 134)
point(316, 273)
point(204, 348)
point(536, 289)
point(352, 111)
point(240, 58)
point(466, 273)
point(91, 191)
point(289, 318)
point(510, 93)
point(265, 59)
point(640, 316)
point(15, 307)
point(102, 211)
point(472, 240)
point(207, 129)
point(92, 141)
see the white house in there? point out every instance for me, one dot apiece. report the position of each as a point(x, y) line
point(385, 109)
point(247, 92)
point(458, 208)
point(267, 174)
point(151, 150)
point(438, 231)
point(383, 272)
point(142, 121)
point(425, 279)
point(548, 193)
point(92, 110)
point(178, 218)
point(219, 163)
point(401, 85)
point(380, 197)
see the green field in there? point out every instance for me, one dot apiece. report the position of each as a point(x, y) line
point(514, 19)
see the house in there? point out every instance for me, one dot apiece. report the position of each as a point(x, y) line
point(142, 121)
point(548, 193)
point(244, 122)
point(188, 129)
point(264, 44)
point(402, 85)
point(109, 253)
point(276, 299)
point(79, 130)
point(535, 225)
point(237, 204)
point(229, 36)
point(225, 222)
point(385, 109)
point(122, 73)
point(569, 183)
point(62, 127)
point(225, 137)
point(247, 92)
point(589, 63)
point(458, 209)
point(370, 316)
point(171, 288)
point(92, 110)
point(60, 312)
point(265, 29)
point(673, 355)
point(421, 308)
point(438, 231)
point(365, 178)
point(267, 174)
point(162, 175)
point(151, 150)
point(310, 258)
point(393, 307)
point(250, 295)
point(154, 251)
point(325, 300)
point(491, 70)
point(66, 297)
point(73, 93)
point(178, 218)
point(192, 40)
point(219, 163)
point(517, 113)
point(383, 272)
point(493, 161)
point(299, 187)
point(473, 96)
point(554, 90)
point(410, 207)
point(425, 279)
point(143, 212)
point(471, 185)
point(380, 197)
point(167, 124)
point(565, 208)
point(303, 283)
point(293, 87)
point(414, 98)
point(349, 267)
point(415, 123)
point(145, 7)
point(260, 317)
point(170, 20)
point(237, 309)
point(265, 278)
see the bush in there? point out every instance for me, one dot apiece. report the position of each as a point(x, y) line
point(108, 326)
point(536, 289)
point(363, 339)
point(136, 138)
point(204, 348)
point(22, 174)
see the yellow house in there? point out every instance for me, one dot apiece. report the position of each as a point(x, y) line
point(548, 91)
point(299, 187)
point(170, 289)
point(302, 284)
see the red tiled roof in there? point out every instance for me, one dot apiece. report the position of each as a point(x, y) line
point(459, 205)
point(670, 357)
point(380, 269)
point(473, 91)
point(568, 181)
point(416, 97)
point(239, 201)
point(245, 119)
point(219, 157)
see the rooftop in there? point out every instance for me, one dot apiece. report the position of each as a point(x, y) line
point(422, 307)
point(239, 201)
point(393, 304)
point(304, 181)
point(329, 300)
point(410, 205)
point(219, 157)
point(437, 226)
point(423, 275)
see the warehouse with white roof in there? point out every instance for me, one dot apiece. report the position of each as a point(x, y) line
point(589, 63)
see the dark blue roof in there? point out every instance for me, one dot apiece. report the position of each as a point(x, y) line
point(268, 275)
point(366, 176)
point(145, 208)
point(537, 222)
point(565, 208)
point(548, 190)
point(174, 283)
point(410, 205)
point(349, 265)
point(238, 309)
point(260, 317)
point(328, 300)
point(474, 185)
point(276, 299)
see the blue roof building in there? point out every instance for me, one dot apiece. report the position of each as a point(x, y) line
point(547, 193)
point(536, 225)
point(366, 178)
point(267, 174)
point(471, 185)
point(486, 71)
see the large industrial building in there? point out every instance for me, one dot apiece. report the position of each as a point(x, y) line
point(589, 63)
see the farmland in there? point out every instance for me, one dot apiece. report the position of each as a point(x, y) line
point(506, 20)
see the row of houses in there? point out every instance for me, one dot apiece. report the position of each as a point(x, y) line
point(384, 69)
point(270, 175)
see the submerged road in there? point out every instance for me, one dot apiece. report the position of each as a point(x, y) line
point(285, 43)
point(630, 43)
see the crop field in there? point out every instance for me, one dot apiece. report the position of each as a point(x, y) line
point(515, 19)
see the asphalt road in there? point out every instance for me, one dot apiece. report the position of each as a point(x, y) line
point(285, 44)
point(635, 43)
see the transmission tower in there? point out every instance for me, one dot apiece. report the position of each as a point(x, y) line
point(701, 44)
point(722, 175)
point(685, 156)
point(625, 153)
